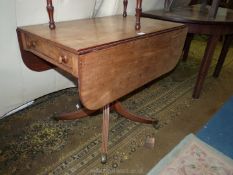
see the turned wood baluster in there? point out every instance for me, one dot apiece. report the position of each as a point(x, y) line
point(125, 3)
point(138, 14)
point(105, 131)
point(50, 10)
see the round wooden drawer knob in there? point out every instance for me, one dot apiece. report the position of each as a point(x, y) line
point(63, 59)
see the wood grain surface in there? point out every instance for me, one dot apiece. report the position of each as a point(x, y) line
point(86, 34)
point(106, 75)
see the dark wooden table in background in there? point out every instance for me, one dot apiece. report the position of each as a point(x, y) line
point(199, 21)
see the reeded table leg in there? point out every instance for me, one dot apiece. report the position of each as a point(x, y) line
point(50, 10)
point(225, 47)
point(205, 64)
point(105, 131)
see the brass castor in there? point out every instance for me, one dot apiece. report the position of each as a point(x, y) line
point(104, 158)
point(156, 124)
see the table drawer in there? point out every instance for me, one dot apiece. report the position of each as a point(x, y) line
point(51, 53)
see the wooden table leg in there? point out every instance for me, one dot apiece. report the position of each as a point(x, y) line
point(225, 48)
point(187, 44)
point(205, 64)
point(105, 127)
point(105, 131)
point(75, 115)
point(138, 14)
point(117, 106)
point(125, 4)
point(50, 10)
point(136, 118)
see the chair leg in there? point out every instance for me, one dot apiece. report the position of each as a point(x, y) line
point(223, 55)
point(105, 132)
point(187, 44)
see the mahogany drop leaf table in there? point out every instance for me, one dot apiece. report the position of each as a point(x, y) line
point(107, 56)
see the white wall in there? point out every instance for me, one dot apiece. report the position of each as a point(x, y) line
point(18, 84)
point(146, 5)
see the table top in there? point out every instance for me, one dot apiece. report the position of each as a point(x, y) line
point(86, 34)
point(193, 14)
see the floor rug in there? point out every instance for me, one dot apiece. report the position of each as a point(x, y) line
point(193, 157)
point(218, 132)
point(32, 142)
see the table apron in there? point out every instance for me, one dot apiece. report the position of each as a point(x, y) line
point(208, 29)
